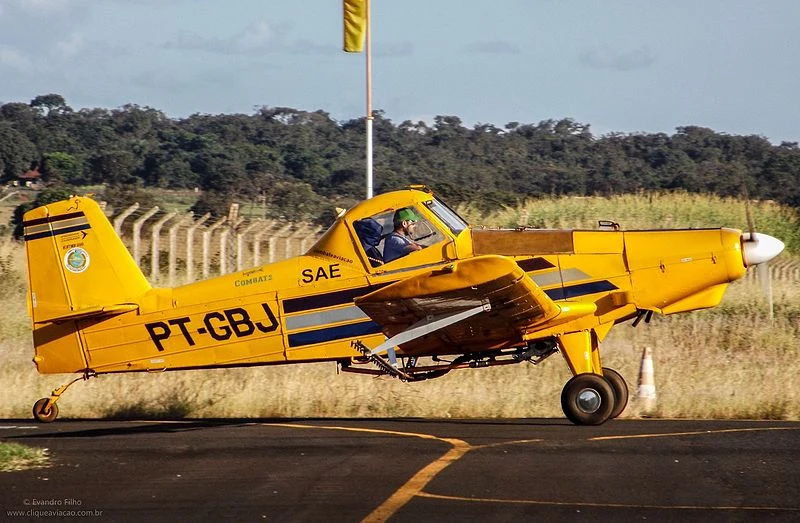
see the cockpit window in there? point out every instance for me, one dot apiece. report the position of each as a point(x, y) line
point(395, 233)
point(448, 216)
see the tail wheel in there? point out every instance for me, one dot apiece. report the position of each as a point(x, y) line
point(587, 399)
point(44, 414)
point(620, 390)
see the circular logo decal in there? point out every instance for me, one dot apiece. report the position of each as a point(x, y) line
point(76, 260)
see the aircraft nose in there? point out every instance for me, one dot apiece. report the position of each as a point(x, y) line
point(760, 248)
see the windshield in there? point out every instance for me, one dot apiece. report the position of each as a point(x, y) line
point(448, 216)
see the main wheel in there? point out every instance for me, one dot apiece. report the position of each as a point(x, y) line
point(42, 413)
point(620, 390)
point(587, 399)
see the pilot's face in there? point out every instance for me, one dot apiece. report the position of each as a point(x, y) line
point(409, 226)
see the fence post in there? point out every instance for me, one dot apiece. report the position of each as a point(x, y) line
point(154, 252)
point(173, 246)
point(223, 241)
point(190, 246)
point(137, 230)
point(268, 226)
point(301, 230)
point(310, 237)
point(207, 244)
point(271, 241)
point(240, 243)
point(121, 218)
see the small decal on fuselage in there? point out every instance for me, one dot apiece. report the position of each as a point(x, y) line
point(331, 255)
point(253, 281)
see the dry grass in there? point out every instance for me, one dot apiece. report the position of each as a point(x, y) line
point(728, 362)
point(646, 211)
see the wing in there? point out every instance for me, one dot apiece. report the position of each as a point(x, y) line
point(504, 302)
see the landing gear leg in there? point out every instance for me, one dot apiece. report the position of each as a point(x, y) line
point(588, 398)
point(45, 410)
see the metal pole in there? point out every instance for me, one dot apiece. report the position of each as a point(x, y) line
point(369, 103)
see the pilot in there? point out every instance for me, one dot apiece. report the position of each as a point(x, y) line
point(399, 242)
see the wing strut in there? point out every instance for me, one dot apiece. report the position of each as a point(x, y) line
point(421, 328)
point(426, 326)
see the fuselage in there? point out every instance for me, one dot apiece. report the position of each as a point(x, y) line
point(302, 309)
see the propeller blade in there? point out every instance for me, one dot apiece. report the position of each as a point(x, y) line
point(764, 278)
point(750, 227)
point(759, 248)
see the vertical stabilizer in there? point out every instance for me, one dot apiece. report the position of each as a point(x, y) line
point(77, 265)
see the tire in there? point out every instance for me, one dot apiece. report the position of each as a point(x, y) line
point(620, 390)
point(43, 416)
point(587, 399)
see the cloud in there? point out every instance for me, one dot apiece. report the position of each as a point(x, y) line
point(257, 38)
point(161, 81)
point(48, 7)
point(71, 46)
point(492, 47)
point(392, 49)
point(13, 59)
point(607, 58)
point(37, 28)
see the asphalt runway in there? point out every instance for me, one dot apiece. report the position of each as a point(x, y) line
point(406, 470)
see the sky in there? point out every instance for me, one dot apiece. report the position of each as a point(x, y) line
point(626, 66)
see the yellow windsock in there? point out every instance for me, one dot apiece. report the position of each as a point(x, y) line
point(355, 25)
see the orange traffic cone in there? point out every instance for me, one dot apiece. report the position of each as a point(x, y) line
point(646, 395)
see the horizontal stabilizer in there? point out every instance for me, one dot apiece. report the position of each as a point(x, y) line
point(108, 310)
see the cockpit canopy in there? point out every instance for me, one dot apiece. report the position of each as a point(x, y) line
point(416, 215)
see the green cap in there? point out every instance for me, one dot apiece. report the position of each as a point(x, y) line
point(406, 213)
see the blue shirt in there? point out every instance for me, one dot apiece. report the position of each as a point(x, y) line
point(396, 246)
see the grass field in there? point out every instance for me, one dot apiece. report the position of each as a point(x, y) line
point(728, 362)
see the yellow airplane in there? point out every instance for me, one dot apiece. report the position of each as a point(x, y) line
point(399, 285)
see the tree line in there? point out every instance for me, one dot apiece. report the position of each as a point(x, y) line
point(296, 163)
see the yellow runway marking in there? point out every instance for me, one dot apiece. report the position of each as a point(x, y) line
point(412, 487)
point(601, 505)
point(692, 433)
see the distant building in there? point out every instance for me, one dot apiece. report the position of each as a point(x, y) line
point(30, 178)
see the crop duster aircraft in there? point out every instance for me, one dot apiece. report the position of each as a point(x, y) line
point(456, 297)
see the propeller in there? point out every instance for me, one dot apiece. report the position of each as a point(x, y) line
point(760, 248)
point(757, 250)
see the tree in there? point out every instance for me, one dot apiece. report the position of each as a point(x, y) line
point(50, 103)
point(16, 153)
point(60, 167)
point(113, 167)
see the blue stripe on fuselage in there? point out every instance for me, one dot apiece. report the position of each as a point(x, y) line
point(581, 289)
point(339, 332)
